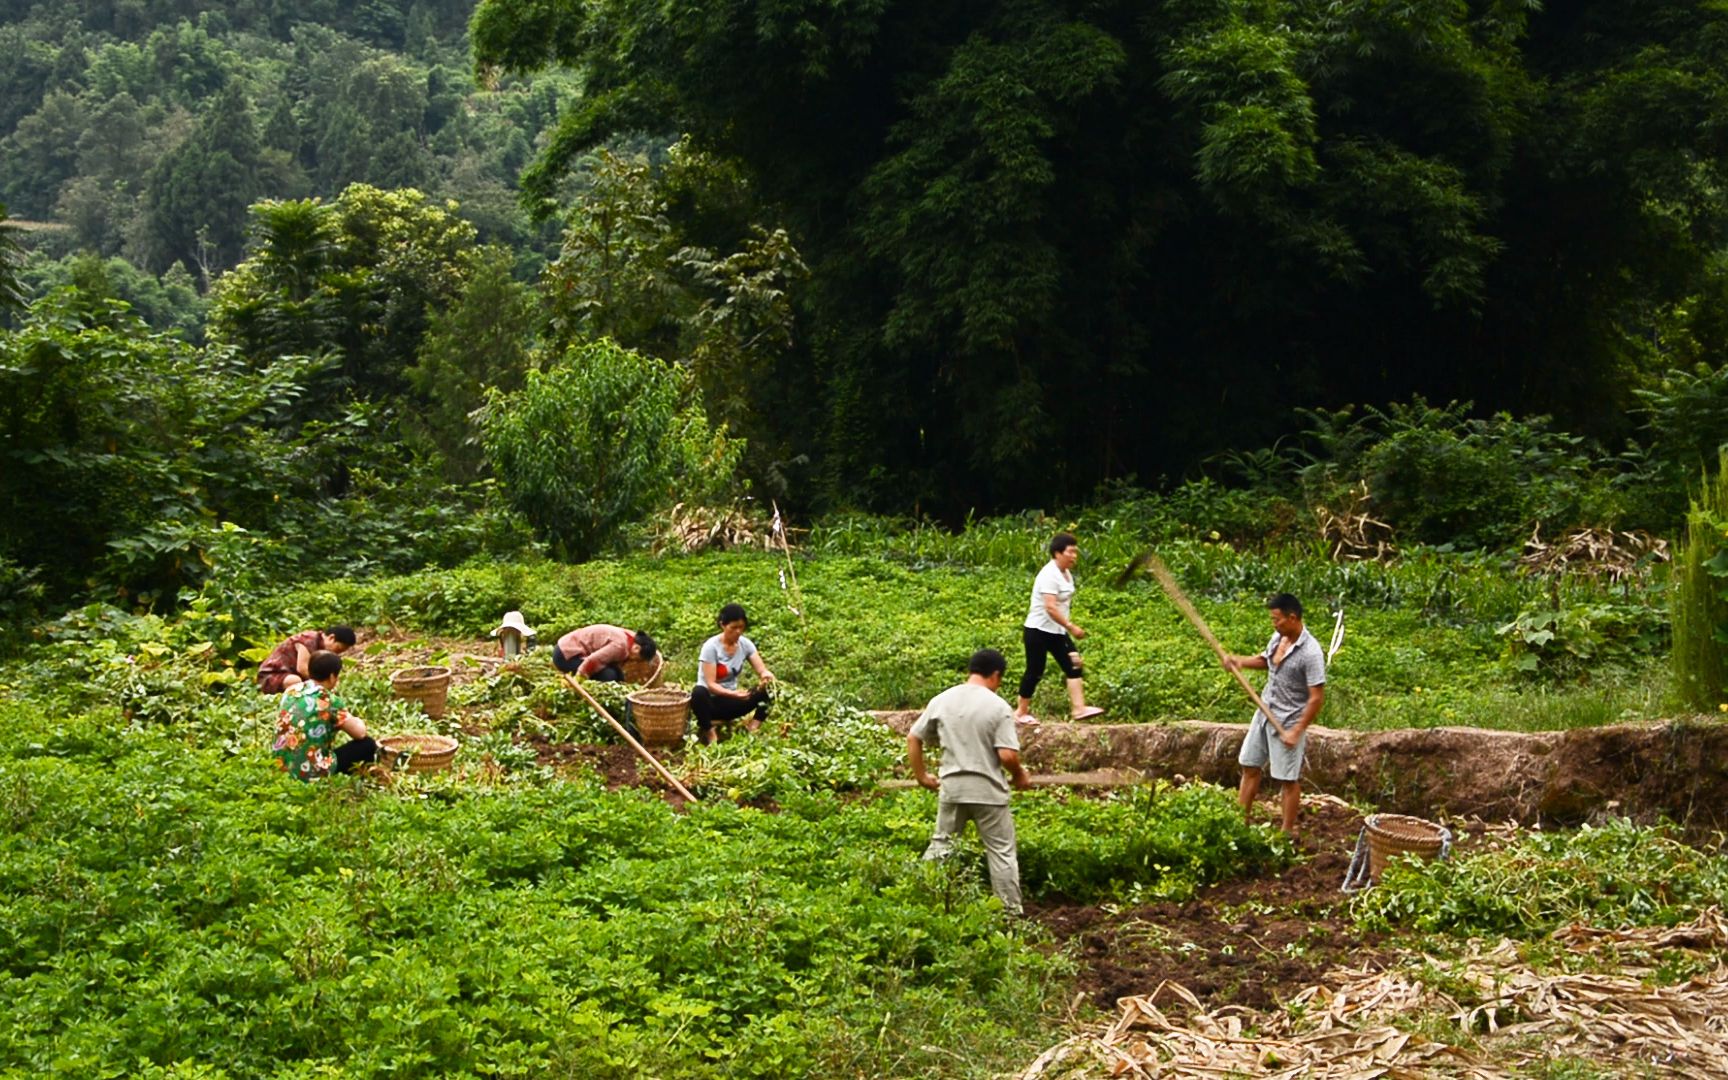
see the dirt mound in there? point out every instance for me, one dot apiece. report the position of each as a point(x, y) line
point(1248, 941)
point(1676, 769)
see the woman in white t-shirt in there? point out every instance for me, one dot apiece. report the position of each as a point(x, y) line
point(1047, 629)
point(716, 695)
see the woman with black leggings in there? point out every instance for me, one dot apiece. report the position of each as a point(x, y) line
point(1047, 629)
point(716, 696)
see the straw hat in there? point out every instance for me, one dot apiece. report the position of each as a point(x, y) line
point(513, 621)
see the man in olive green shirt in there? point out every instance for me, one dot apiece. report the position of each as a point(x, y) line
point(975, 729)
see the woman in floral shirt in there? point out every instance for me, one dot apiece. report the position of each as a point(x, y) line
point(308, 719)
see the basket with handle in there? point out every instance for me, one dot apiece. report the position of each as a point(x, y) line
point(1399, 834)
point(416, 753)
point(428, 686)
point(645, 673)
point(661, 714)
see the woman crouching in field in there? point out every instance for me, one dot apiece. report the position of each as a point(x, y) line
point(716, 696)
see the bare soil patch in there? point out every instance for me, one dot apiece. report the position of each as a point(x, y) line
point(1252, 941)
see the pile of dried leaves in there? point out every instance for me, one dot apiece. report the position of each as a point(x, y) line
point(1518, 1017)
point(1598, 553)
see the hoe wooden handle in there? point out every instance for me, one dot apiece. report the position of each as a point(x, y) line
point(1167, 581)
point(641, 751)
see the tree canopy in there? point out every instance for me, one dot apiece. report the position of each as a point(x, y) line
point(1052, 245)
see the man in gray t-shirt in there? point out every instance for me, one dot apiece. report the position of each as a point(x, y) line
point(1295, 691)
point(974, 728)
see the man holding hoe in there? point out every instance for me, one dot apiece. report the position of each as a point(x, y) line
point(1295, 691)
point(975, 729)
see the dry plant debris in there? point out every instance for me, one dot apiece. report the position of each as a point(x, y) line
point(1597, 553)
point(1347, 1030)
point(690, 529)
point(1351, 533)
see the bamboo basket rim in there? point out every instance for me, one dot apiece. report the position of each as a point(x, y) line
point(420, 675)
point(416, 743)
point(1409, 833)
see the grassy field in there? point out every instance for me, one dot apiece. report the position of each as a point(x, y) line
point(1426, 644)
point(172, 907)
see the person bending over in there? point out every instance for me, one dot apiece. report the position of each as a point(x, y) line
point(716, 696)
point(285, 667)
point(596, 652)
point(307, 720)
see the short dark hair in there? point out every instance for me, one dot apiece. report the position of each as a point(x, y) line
point(1283, 601)
point(1062, 542)
point(986, 662)
point(323, 664)
point(344, 634)
point(733, 613)
point(646, 644)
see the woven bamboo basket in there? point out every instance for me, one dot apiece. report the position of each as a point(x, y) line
point(645, 673)
point(661, 714)
point(429, 686)
point(1396, 834)
point(416, 753)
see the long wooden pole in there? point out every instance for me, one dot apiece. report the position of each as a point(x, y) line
point(1167, 581)
point(641, 751)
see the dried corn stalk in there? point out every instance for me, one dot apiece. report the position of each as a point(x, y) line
point(1597, 553)
point(1351, 533)
point(1346, 1029)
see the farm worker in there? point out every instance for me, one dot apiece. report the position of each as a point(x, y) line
point(594, 652)
point(1295, 691)
point(286, 666)
point(1047, 631)
point(975, 730)
point(307, 720)
point(716, 695)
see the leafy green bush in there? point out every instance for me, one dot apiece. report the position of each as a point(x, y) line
point(1581, 641)
point(810, 742)
point(1157, 842)
point(598, 441)
point(1439, 476)
point(1616, 875)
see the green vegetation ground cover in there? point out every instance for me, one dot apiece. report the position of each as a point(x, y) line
point(172, 906)
point(1435, 640)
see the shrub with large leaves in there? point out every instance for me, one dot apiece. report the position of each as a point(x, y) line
point(600, 440)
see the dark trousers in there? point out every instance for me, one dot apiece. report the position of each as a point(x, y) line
point(1040, 644)
point(710, 707)
point(571, 665)
point(355, 752)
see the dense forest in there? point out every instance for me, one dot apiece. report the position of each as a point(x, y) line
point(403, 283)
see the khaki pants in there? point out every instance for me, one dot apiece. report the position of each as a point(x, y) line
point(995, 832)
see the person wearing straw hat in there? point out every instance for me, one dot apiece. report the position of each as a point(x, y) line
point(286, 666)
point(594, 652)
point(513, 634)
point(975, 729)
point(307, 720)
point(1295, 691)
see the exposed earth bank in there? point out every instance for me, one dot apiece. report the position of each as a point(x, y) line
point(1676, 769)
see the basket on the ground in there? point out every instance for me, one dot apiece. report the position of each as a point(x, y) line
point(661, 714)
point(429, 686)
point(644, 672)
point(416, 753)
point(1398, 834)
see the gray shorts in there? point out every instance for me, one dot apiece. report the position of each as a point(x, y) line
point(1263, 747)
